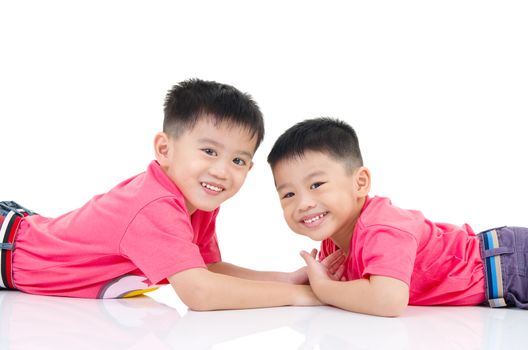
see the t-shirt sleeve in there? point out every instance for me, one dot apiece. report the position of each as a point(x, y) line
point(159, 240)
point(389, 252)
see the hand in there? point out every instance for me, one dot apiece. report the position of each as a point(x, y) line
point(300, 276)
point(334, 264)
point(331, 268)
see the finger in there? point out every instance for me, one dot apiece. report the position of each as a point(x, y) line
point(335, 274)
point(334, 265)
point(339, 272)
point(338, 261)
point(327, 261)
point(308, 259)
point(335, 254)
point(313, 253)
point(333, 268)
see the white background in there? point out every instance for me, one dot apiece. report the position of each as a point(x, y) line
point(437, 92)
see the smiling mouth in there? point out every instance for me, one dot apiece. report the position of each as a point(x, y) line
point(212, 187)
point(314, 218)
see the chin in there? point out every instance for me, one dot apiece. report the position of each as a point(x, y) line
point(313, 236)
point(318, 239)
point(207, 208)
point(316, 236)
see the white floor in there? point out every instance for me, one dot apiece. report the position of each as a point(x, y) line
point(160, 321)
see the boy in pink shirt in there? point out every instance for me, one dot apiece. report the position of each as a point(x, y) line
point(157, 227)
point(394, 257)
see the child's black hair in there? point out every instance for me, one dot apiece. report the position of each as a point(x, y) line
point(191, 100)
point(330, 136)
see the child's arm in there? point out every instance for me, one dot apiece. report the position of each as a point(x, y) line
point(378, 295)
point(203, 290)
point(297, 277)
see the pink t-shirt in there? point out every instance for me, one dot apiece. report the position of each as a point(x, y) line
point(441, 263)
point(119, 244)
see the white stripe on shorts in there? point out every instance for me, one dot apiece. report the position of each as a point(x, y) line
point(3, 231)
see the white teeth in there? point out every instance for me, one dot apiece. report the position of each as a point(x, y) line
point(315, 218)
point(211, 187)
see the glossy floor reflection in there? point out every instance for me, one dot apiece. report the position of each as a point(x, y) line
point(160, 321)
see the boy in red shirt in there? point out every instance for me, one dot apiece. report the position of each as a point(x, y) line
point(159, 226)
point(394, 257)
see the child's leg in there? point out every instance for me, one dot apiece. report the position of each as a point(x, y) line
point(505, 255)
point(11, 214)
point(7, 206)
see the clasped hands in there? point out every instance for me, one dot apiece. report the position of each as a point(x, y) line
point(331, 267)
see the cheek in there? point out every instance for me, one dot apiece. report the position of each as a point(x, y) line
point(287, 206)
point(287, 212)
point(291, 223)
point(238, 179)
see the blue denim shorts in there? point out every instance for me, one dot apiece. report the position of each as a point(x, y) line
point(504, 251)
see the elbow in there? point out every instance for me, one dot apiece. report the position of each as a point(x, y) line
point(392, 309)
point(196, 289)
point(197, 298)
point(195, 304)
point(392, 305)
point(390, 296)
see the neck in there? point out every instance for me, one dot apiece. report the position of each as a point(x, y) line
point(190, 208)
point(343, 237)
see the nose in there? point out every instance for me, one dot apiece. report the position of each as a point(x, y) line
point(218, 169)
point(305, 203)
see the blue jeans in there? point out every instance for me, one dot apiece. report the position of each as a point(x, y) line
point(504, 251)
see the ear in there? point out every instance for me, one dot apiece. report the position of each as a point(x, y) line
point(161, 148)
point(362, 181)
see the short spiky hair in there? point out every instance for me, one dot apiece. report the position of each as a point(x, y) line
point(330, 136)
point(191, 100)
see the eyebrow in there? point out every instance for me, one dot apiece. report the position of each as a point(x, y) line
point(310, 175)
point(218, 144)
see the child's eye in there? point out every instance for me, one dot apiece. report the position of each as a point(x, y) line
point(288, 195)
point(316, 185)
point(209, 151)
point(239, 161)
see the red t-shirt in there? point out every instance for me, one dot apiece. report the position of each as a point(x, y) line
point(121, 243)
point(441, 263)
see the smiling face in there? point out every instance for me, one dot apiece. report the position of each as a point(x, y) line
point(320, 198)
point(208, 163)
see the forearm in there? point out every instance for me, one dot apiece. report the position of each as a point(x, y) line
point(241, 272)
point(235, 293)
point(364, 296)
point(202, 290)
